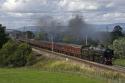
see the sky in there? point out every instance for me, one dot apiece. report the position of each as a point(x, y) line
point(19, 13)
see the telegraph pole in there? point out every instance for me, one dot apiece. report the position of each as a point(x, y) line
point(26, 36)
point(14, 35)
point(107, 29)
point(52, 42)
point(86, 40)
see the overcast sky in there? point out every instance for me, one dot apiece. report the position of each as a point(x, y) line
point(18, 13)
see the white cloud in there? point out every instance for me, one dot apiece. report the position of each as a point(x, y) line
point(114, 15)
point(11, 4)
point(49, 5)
point(110, 5)
point(75, 5)
point(23, 5)
point(94, 11)
point(20, 15)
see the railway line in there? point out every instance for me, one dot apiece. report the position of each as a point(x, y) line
point(91, 64)
point(45, 47)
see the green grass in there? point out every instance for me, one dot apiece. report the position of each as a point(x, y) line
point(120, 62)
point(70, 67)
point(38, 76)
point(56, 71)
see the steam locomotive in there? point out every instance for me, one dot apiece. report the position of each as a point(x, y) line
point(95, 54)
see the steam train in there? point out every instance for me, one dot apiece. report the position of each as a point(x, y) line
point(95, 54)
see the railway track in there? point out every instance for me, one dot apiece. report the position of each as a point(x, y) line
point(118, 69)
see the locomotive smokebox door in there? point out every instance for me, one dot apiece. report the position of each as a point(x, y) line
point(108, 54)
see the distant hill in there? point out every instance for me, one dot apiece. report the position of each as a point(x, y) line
point(107, 27)
point(29, 28)
point(98, 27)
point(43, 28)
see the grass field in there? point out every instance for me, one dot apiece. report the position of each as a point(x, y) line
point(120, 62)
point(38, 76)
point(56, 71)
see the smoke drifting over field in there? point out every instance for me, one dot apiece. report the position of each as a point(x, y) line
point(79, 27)
point(75, 29)
point(49, 24)
point(76, 26)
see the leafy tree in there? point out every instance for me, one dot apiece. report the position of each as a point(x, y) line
point(68, 39)
point(21, 55)
point(6, 52)
point(3, 36)
point(92, 42)
point(116, 33)
point(15, 55)
point(41, 36)
point(119, 47)
point(29, 34)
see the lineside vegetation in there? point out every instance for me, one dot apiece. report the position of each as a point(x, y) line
point(14, 54)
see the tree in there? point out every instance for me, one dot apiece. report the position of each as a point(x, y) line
point(3, 36)
point(116, 33)
point(41, 36)
point(21, 55)
point(6, 52)
point(119, 47)
point(14, 54)
point(68, 39)
point(29, 34)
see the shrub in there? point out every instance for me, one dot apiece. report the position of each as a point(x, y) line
point(119, 47)
point(21, 55)
point(15, 55)
point(6, 52)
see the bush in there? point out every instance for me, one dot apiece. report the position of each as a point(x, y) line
point(6, 52)
point(120, 62)
point(15, 55)
point(21, 55)
point(119, 47)
point(69, 39)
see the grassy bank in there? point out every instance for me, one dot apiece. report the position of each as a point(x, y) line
point(120, 62)
point(81, 69)
point(49, 70)
point(38, 76)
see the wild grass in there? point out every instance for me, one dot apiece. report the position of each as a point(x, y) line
point(49, 70)
point(81, 69)
point(120, 62)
